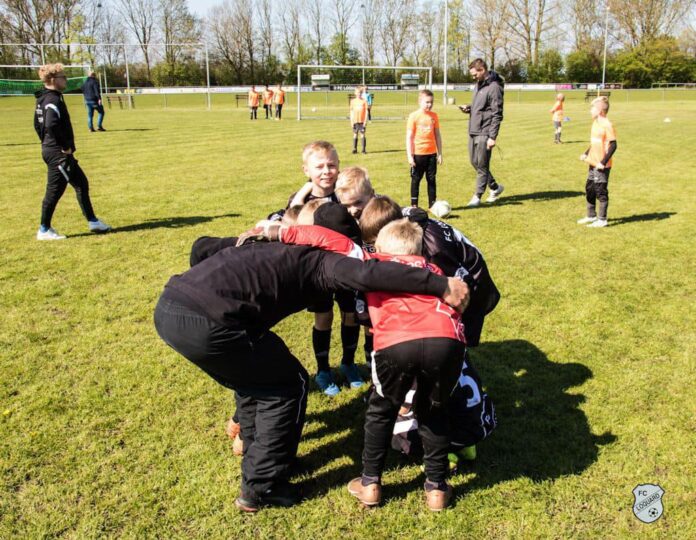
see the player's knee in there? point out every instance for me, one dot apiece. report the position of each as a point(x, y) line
point(323, 321)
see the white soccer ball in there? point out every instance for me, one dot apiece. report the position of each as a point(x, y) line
point(441, 209)
point(314, 109)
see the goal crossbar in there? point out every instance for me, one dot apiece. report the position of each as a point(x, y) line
point(427, 69)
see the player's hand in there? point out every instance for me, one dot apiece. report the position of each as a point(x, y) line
point(411, 161)
point(439, 159)
point(465, 108)
point(599, 166)
point(250, 236)
point(583, 157)
point(68, 151)
point(457, 294)
point(490, 143)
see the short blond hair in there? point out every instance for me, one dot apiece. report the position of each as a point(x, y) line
point(306, 215)
point(48, 72)
point(316, 147)
point(560, 97)
point(376, 214)
point(400, 237)
point(353, 181)
point(603, 102)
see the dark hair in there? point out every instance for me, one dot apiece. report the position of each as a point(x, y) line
point(478, 64)
point(426, 93)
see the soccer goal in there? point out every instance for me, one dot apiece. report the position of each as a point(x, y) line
point(23, 79)
point(324, 91)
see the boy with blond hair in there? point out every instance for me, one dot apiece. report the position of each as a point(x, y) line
point(354, 189)
point(557, 117)
point(599, 158)
point(268, 102)
point(253, 102)
point(358, 119)
point(53, 126)
point(279, 101)
point(423, 147)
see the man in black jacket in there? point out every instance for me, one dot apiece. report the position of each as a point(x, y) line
point(219, 315)
point(52, 125)
point(92, 95)
point(486, 112)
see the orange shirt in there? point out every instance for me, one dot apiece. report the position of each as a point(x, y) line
point(422, 125)
point(267, 97)
point(279, 97)
point(601, 135)
point(557, 111)
point(358, 111)
point(253, 99)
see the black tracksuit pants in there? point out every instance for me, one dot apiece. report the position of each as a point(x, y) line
point(426, 164)
point(63, 169)
point(435, 364)
point(270, 384)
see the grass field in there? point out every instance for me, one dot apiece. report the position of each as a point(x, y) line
point(105, 432)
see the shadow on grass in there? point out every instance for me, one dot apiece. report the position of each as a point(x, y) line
point(655, 216)
point(128, 129)
point(542, 432)
point(22, 144)
point(167, 223)
point(519, 199)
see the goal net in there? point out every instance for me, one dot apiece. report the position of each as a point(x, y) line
point(22, 80)
point(324, 92)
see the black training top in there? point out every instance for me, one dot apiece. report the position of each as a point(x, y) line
point(52, 121)
point(257, 285)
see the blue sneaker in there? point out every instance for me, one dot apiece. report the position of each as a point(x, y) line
point(350, 371)
point(326, 384)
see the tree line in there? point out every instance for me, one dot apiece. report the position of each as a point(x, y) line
point(263, 41)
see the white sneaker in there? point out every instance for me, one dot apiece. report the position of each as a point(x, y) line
point(50, 234)
point(98, 226)
point(586, 220)
point(475, 201)
point(493, 196)
point(599, 223)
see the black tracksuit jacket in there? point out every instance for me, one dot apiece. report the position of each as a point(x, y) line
point(52, 121)
point(253, 287)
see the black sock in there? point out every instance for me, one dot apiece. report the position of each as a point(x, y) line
point(369, 339)
point(349, 339)
point(441, 486)
point(321, 342)
point(355, 144)
point(364, 143)
point(367, 480)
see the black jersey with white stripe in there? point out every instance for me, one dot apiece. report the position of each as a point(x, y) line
point(52, 121)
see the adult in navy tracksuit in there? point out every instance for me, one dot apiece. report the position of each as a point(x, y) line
point(52, 125)
point(219, 315)
point(92, 94)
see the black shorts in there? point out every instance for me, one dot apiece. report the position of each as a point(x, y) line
point(359, 128)
point(598, 176)
point(344, 299)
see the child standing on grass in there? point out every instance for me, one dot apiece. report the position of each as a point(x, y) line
point(423, 147)
point(268, 102)
point(358, 117)
point(253, 101)
point(557, 117)
point(279, 100)
point(599, 158)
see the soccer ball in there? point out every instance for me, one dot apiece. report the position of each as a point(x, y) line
point(441, 209)
point(314, 109)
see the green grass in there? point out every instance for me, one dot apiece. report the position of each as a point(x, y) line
point(105, 432)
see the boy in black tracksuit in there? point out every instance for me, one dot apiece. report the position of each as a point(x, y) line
point(52, 125)
point(219, 314)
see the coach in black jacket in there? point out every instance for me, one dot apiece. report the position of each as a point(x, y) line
point(486, 112)
point(52, 125)
point(219, 315)
point(92, 95)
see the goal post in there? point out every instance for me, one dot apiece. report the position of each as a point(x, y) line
point(323, 91)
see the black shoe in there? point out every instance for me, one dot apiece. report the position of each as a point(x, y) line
point(100, 129)
point(364, 151)
point(355, 151)
point(284, 495)
point(92, 130)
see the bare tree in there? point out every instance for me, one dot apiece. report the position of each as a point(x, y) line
point(587, 23)
point(639, 20)
point(370, 13)
point(396, 22)
point(110, 30)
point(139, 16)
point(527, 23)
point(291, 31)
point(315, 18)
point(490, 18)
point(342, 17)
point(266, 31)
point(226, 33)
point(178, 25)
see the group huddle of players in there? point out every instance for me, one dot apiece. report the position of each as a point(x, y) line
point(425, 400)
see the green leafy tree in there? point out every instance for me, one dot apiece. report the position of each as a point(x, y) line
point(656, 60)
